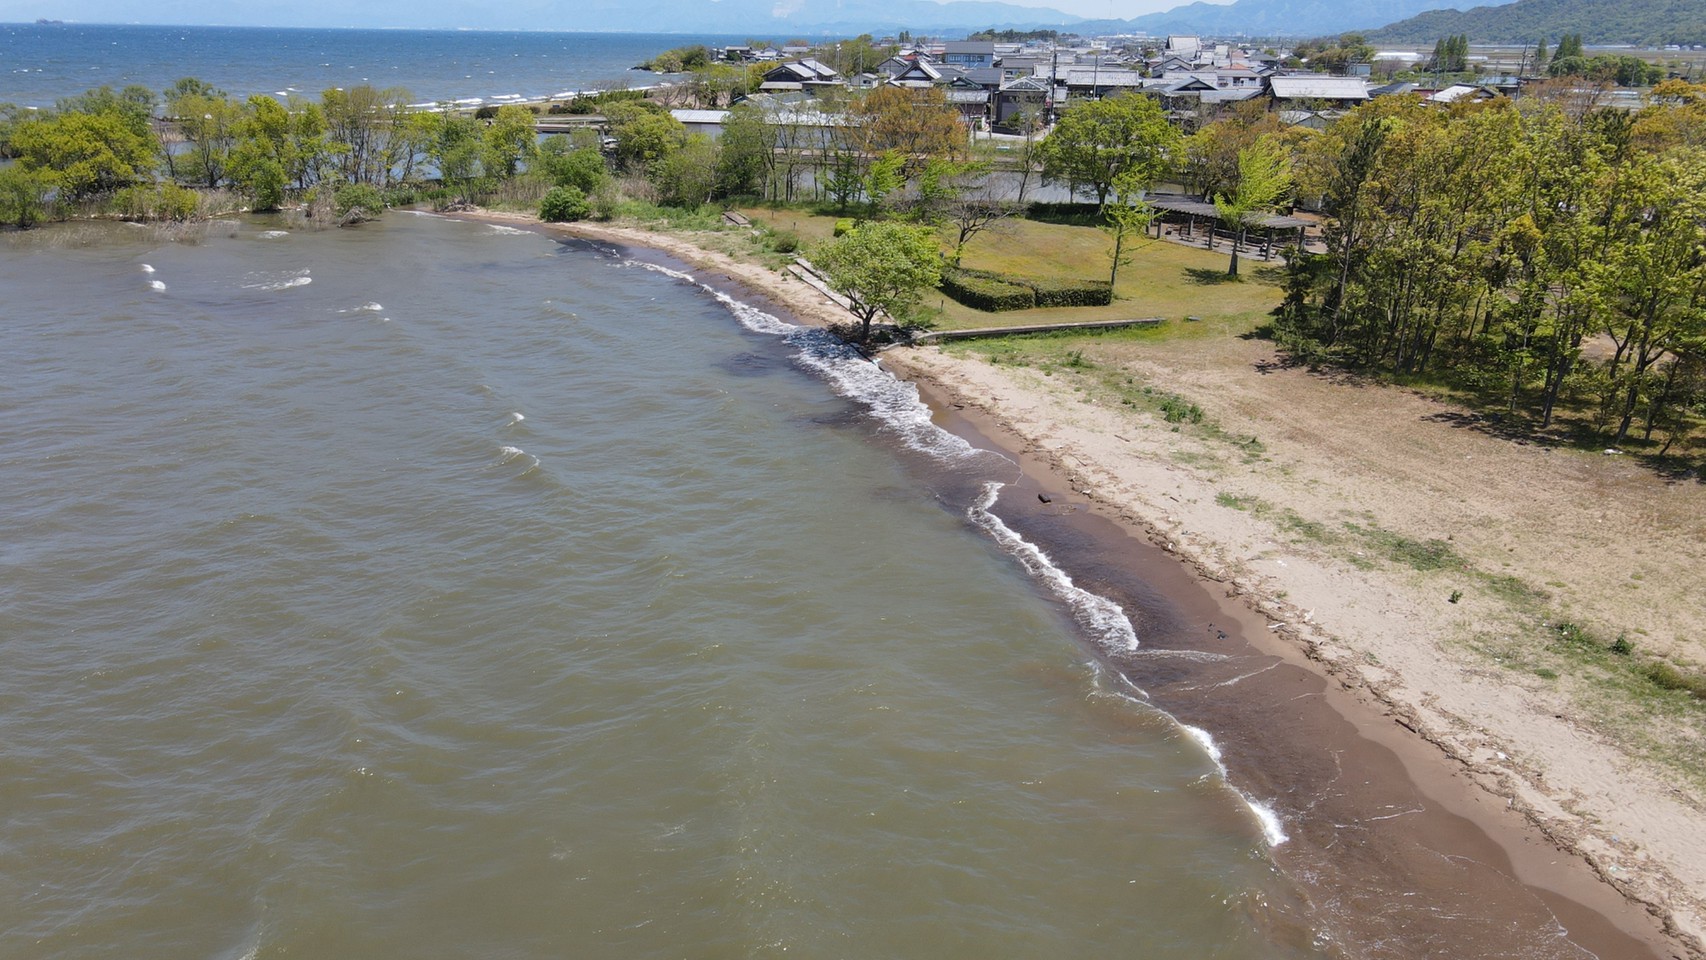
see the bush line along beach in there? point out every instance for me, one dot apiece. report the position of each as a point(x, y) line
point(1414, 383)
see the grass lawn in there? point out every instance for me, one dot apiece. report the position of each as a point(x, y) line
point(1166, 280)
point(808, 226)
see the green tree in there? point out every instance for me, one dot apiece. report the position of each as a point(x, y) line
point(85, 154)
point(644, 134)
point(1127, 217)
point(264, 155)
point(23, 196)
point(135, 104)
point(880, 267)
point(1122, 138)
point(884, 178)
point(455, 143)
point(1264, 179)
point(209, 124)
point(10, 116)
point(687, 176)
point(567, 166)
point(509, 140)
point(746, 154)
point(364, 130)
point(916, 124)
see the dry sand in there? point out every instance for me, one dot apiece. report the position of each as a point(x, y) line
point(1503, 749)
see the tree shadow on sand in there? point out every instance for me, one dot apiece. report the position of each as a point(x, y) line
point(1522, 431)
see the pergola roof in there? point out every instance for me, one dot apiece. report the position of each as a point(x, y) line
point(1173, 203)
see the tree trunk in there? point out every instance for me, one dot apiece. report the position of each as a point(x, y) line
point(1232, 267)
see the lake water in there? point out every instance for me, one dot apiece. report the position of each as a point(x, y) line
point(431, 589)
point(40, 63)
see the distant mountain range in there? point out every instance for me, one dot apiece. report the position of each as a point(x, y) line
point(1262, 18)
point(1413, 21)
point(774, 18)
point(1525, 21)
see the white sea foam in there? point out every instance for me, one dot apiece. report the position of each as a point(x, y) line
point(274, 234)
point(516, 417)
point(1206, 741)
point(278, 281)
point(156, 285)
point(1272, 829)
point(147, 268)
point(516, 454)
point(1104, 620)
point(895, 403)
point(500, 228)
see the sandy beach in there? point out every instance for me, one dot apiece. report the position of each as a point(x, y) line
point(1436, 803)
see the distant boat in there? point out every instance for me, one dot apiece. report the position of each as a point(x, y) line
point(44, 22)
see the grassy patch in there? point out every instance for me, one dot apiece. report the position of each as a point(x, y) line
point(1394, 547)
point(1647, 705)
point(1236, 501)
point(1163, 279)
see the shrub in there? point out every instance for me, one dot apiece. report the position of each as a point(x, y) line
point(843, 225)
point(784, 241)
point(986, 292)
point(486, 112)
point(23, 196)
point(564, 205)
point(1073, 213)
point(163, 201)
point(606, 200)
point(569, 167)
point(355, 202)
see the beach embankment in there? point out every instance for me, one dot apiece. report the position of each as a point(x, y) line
point(1432, 806)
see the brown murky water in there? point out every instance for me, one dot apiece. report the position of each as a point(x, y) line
point(428, 590)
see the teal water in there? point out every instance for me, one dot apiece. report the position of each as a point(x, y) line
point(428, 589)
point(41, 63)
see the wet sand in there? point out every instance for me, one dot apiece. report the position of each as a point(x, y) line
point(1400, 853)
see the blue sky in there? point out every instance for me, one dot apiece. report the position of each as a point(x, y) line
point(400, 13)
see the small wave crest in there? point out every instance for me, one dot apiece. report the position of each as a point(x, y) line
point(508, 455)
point(156, 285)
point(500, 228)
point(278, 281)
point(147, 268)
point(514, 418)
point(274, 234)
point(1102, 618)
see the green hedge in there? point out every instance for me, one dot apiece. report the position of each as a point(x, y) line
point(982, 291)
point(843, 225)
point(1070, 293)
